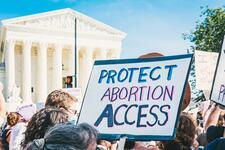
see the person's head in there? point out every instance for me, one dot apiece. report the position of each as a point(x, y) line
point(62, 100)
point(185, 134)
point(186, 130)
point(41, 122)
point(12, 118)
point(67, 136)
point(214, 132)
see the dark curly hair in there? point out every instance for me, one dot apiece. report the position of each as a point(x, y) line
point(66, 136)
point(41, 122)
point(59, 99)
point(185, 134)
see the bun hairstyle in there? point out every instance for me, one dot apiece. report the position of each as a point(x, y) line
point(12, 118)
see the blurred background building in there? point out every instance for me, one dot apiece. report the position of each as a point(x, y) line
point(38, 52)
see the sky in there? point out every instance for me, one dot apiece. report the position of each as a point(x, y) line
point(151, 25)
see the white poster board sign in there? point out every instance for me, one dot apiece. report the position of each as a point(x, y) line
point(205, 65)
point(218, 87)
point(136, 98)
point(76, 92)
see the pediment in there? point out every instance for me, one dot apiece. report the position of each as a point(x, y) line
point(63, 20)
point(59, 22)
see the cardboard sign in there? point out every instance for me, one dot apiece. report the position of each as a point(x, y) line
point(136, 98)
point(218, 87)
point(205, 66)
point(76, 92)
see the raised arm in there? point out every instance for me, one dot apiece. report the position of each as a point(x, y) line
point(213, 117)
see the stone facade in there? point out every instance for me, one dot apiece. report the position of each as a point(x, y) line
point(38, 50)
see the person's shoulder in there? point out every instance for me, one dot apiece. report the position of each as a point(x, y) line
point(19, 126)
point(216, 144)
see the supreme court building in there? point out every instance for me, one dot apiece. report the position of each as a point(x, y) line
point(37, 51)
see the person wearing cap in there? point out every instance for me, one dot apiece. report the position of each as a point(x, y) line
point(25, 111)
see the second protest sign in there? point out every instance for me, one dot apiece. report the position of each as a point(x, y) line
point(218, 87)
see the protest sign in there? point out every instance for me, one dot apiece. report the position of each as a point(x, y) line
point(218, 87)
point(205, 65)
point(77, 93)
point(187, 95)
point(136, 98)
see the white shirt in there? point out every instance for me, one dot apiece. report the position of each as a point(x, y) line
point(17, 136)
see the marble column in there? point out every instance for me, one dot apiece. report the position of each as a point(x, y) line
point(89, 63)
point(81, 69)
point(103, 54)
point(26, 73)
point(113, 54)
point(42, 70)
point(58, 67)
point(10, 65)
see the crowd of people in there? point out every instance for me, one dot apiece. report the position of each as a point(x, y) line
point(54, 128)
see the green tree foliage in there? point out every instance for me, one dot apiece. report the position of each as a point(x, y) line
point(209, 32)
point(207, 36)
point(196, 95)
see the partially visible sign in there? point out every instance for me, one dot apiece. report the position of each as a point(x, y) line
point(77, 93)
point(205, 65)
point(218, 88)
point(136, 98)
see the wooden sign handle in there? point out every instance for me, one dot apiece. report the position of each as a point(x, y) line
point(121, 143)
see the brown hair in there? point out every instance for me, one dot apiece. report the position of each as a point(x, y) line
point(186, 130)
point(185, 134)
point(12, 118)
point(41, 122)
point(66, 136)
point(59, 99)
